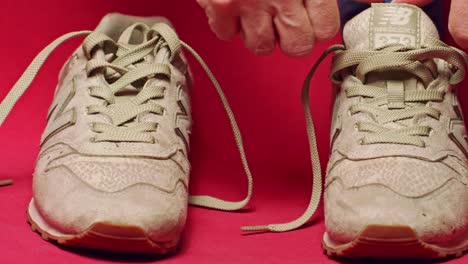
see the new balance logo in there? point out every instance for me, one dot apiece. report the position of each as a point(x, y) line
point(183, 124)
point(60, 117)
point(396, 16)
point(395, 25)
point(457, 128)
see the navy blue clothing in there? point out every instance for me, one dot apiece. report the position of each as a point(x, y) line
point(350, 8)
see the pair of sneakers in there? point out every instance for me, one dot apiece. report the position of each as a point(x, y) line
point(113, 172)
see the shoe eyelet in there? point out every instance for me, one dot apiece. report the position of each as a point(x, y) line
point(361, 142)
point(356, 127)
point(92, 140)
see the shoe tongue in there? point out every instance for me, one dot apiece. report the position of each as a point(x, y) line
point(385, 24)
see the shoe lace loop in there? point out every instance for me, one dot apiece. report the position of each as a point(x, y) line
point(122, 72)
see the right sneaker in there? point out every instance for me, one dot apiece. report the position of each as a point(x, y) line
point(397, 179)
point(113, 169)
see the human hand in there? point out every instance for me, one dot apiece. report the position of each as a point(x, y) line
point(295, 24)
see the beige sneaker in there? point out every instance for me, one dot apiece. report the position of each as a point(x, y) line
point(396, 184)
point(113, 172)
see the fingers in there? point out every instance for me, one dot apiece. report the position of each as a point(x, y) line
point(294, 29)
point(458, 24)
point(324, 17)
point(262, 23)
point(258, 32)
point(222, 17)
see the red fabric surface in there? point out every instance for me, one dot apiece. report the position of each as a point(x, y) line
point(265, 96)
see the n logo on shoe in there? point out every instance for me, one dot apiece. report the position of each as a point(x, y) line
point(457, 128)
point(397, 16)
point(59, 117)
point(395, 24)
point(183, 124)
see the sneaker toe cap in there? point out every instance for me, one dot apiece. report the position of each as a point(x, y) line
point(439, 217)
point(71, 204)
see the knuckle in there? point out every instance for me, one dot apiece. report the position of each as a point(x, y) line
point(317, 4)
point(326, 32)
point(261, 36)
point(284, 7)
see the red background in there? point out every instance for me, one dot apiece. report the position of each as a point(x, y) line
point(264, 93)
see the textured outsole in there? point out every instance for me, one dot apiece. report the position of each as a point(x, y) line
point(107, 237)
point(390, 242)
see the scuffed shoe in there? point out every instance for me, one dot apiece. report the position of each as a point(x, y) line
point(396, 184)
point(113, 171)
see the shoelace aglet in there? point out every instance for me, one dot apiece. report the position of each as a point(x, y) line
point(260, 228)
point(5, 182)
point(254, 228)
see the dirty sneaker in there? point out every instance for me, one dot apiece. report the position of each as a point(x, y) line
point(396, 184)
point(397, 178)
point(113, 172)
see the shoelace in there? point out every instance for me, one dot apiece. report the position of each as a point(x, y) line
point(5, 182)
point(419, 62)
point(160, 35)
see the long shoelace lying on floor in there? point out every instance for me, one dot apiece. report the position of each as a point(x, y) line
point(419, 62)
point(160, 35)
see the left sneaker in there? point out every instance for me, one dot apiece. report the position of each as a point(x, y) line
point(113, 169)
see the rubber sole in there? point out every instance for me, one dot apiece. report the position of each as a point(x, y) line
point(102, 236)
point(390, 242)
